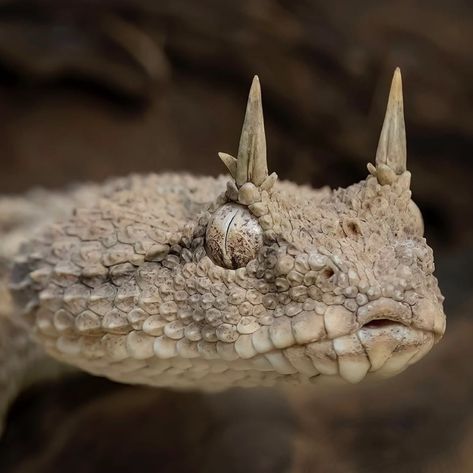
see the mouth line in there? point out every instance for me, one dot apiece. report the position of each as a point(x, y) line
point(387, 323)
point(383, 322)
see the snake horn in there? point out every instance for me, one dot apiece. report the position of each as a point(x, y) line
point(251, 164)
point(391, 152)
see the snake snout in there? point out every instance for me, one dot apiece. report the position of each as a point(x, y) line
point(390, 336)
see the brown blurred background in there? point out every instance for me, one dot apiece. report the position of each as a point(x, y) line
point(93, 89)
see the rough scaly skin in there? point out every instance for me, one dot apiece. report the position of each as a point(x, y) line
point(136, 286)
point(22, 361)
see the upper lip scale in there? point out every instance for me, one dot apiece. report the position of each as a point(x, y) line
point(384, 308)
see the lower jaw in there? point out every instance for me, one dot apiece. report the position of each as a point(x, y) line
point(379, 352)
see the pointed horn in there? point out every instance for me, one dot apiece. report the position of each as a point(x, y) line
point(391, 150)
point(230, 162)
point(252, 165)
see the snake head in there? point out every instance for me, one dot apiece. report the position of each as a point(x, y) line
point(179, 281)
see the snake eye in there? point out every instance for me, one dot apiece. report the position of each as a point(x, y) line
point(233, 236)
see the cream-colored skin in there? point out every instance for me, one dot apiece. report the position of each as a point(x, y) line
point(199, 282)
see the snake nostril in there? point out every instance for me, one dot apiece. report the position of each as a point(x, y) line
point(327, 272)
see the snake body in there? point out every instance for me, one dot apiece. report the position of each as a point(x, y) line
point(199, 282)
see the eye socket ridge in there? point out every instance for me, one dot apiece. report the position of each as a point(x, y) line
point(233, 237)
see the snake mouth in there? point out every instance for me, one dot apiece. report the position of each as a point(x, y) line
point(381, 323)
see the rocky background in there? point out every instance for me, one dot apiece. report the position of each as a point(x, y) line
point(93, 89)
